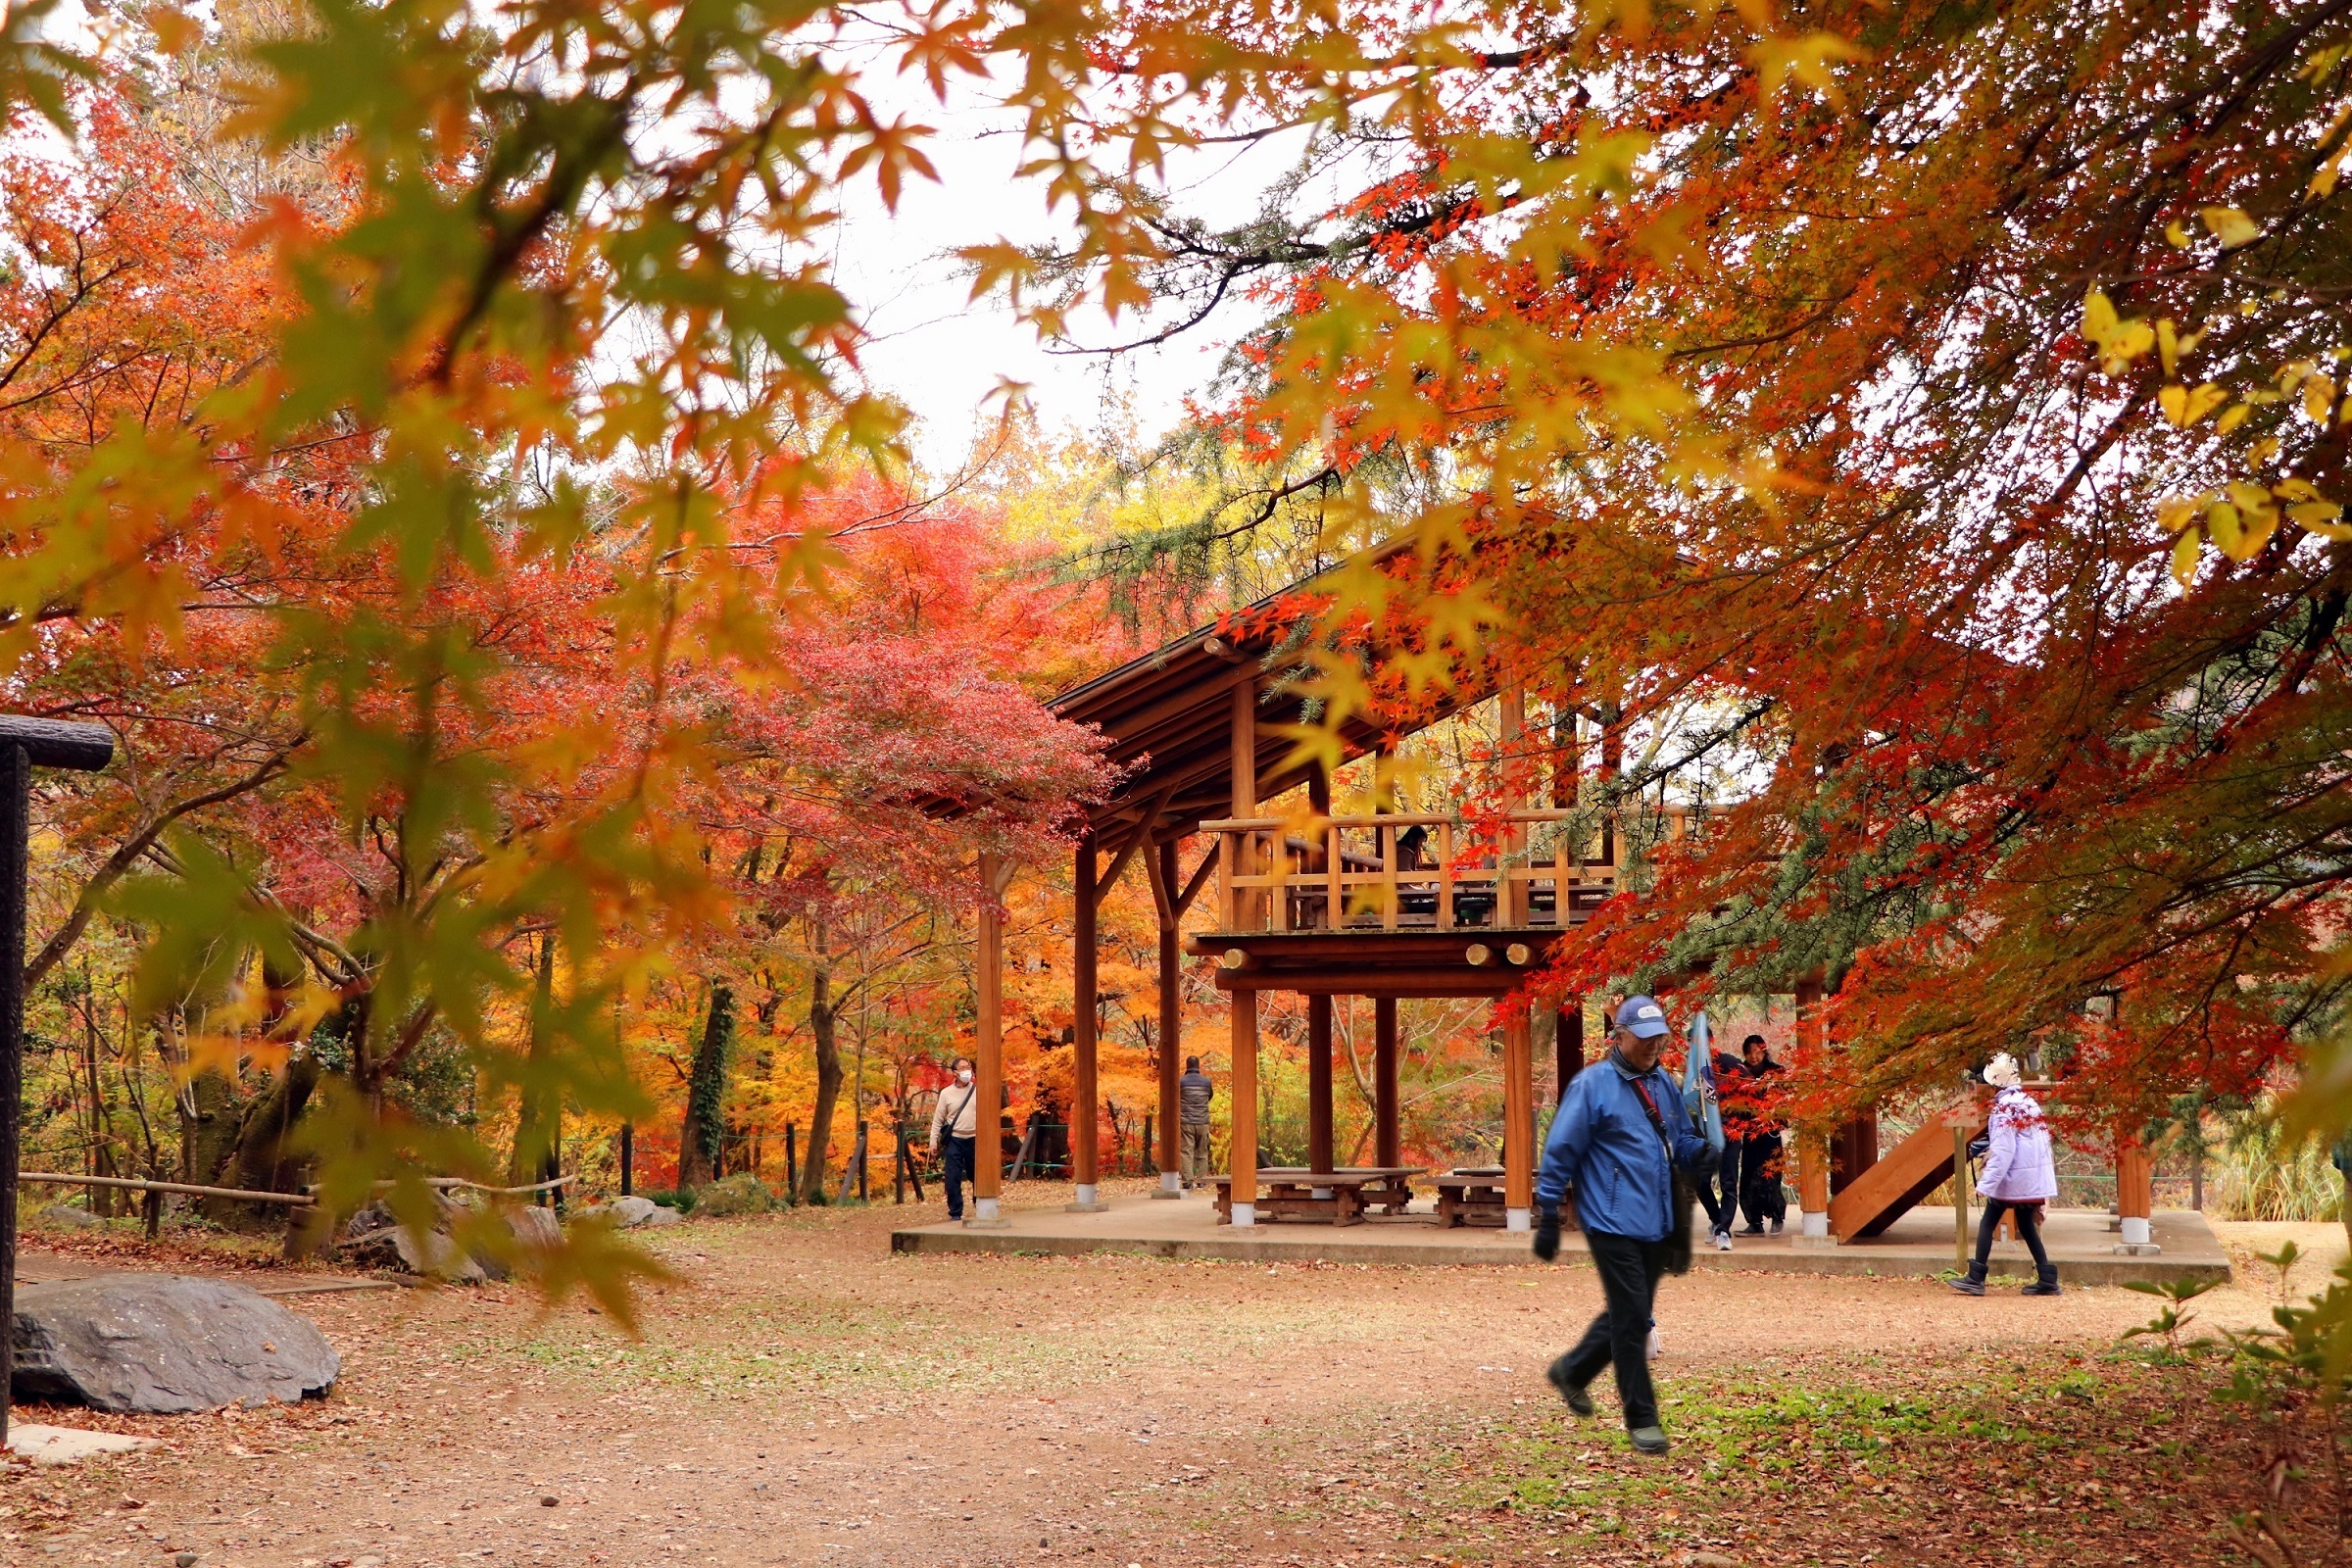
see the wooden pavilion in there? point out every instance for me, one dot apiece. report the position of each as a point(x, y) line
point(1384, 906)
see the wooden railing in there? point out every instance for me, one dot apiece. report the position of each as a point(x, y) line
point(1401, 871)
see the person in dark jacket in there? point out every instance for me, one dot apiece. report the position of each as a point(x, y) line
point(1615, 1140)
point(1195, 1092)
point(1759, 1135)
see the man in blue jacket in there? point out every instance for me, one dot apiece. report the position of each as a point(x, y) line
point(1620, 1123)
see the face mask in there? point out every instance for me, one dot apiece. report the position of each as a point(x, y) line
point(963, 1075)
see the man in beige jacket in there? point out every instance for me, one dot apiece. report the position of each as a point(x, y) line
point(957, 1113)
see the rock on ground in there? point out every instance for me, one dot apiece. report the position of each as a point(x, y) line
point(68, 1214)
point(628, 1213)
point(165, 1343)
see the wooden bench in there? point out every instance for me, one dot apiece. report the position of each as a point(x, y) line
point(1331, 1197)
point(1470, 1196)
point(1474, 1195)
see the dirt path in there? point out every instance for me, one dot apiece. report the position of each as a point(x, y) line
point(801, 1396)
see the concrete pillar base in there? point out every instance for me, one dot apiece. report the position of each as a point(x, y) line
point(985, 1216)
point(1245, 1216)
point(1085, 1200)
point(1171, 1185)
point(1517, 1219)
point(2137, 1249)
point(1814, 1226)
point(1811, 1243)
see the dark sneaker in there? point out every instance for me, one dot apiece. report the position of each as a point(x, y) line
point(1968, 1287)
point(1751, 1230)
point(1650, 1440)
point(1571, 1395)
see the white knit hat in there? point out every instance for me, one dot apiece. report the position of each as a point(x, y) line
point(2001, 1071)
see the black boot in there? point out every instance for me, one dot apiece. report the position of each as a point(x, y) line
point(1974, 1285)
point(2045, 1281)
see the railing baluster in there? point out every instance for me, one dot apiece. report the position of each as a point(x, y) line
point(1445, 876)
point(1335, 897)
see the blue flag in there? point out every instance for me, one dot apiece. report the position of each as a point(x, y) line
point(1698, 1082)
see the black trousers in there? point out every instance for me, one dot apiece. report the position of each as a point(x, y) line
point(1760, 1179)
point(957, 1158)
point(2027, 1231)
point(1628, 1271)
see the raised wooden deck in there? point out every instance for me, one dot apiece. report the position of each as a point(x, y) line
point(1920, 1243)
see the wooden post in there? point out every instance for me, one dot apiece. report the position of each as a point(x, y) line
point(1511, 898)
point(1518, 1120)
point(1172, 1023)
point(16, 813)
point(1812, 1149)
point(791, 1162)
point(1567, 1047)
point(24, 745)
point(1960, 1253)
point(1318, 1083)
point(1388, 1148)
point(2135, 1195)
point(987, 1045)
point(628, 1155)
point(1085, 1135)
point(1244, 1090)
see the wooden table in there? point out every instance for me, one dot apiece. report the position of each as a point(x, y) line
point(1329, 1197)
point(1473, 1195)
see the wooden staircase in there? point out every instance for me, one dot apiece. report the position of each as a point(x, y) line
point(1903, 1176)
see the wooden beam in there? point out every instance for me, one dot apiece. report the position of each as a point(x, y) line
point(1385, 1133)
point(1244, 1156)
point(1162, 864)
point(1141, 832)
point(1318, 1083)
point(1518, 1120)
point(1084, 1092)
point(1196, 881)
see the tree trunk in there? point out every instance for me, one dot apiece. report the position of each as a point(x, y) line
point(705, 1129)
point(264, 1162)
point(538, 1108)
point(828, 1073)
point(207, 1137)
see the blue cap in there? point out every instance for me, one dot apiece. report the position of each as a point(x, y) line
point(1644, 1016)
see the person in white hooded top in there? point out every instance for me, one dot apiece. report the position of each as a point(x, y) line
point(2019, 1177)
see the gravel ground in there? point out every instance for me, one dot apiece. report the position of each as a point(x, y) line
point(801, 1396)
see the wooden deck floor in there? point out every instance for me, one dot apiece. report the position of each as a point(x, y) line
point(1920, 1243)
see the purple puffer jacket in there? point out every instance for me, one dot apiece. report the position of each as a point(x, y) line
point(2018, 1168)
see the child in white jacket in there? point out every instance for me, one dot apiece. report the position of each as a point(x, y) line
point(2019, 1176)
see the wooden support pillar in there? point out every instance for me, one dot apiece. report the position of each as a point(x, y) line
point(1245, 1109)
point(1518, 1120)
point(1318, 1083)
point(1567, 1048)
point(1387, 1146)
point(2134, 1194)
point(1085, 1093)
point(1812, 1147)
point(1511, 898)
point(1171, 1027)
point(987, 1045)
point(1242, 766)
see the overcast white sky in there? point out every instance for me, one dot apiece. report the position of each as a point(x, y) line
point(944, 356)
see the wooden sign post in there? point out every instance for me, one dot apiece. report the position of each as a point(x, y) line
point(24, 745)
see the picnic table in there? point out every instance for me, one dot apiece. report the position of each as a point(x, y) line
point(1331, 1197)
point(1473, 1195)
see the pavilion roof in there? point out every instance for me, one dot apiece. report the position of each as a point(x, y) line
point(1168, 717)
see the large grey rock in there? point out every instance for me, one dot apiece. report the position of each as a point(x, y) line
point(529, 1229)
point(628, 1213)
point(165, 1343)
point(67, 1214)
